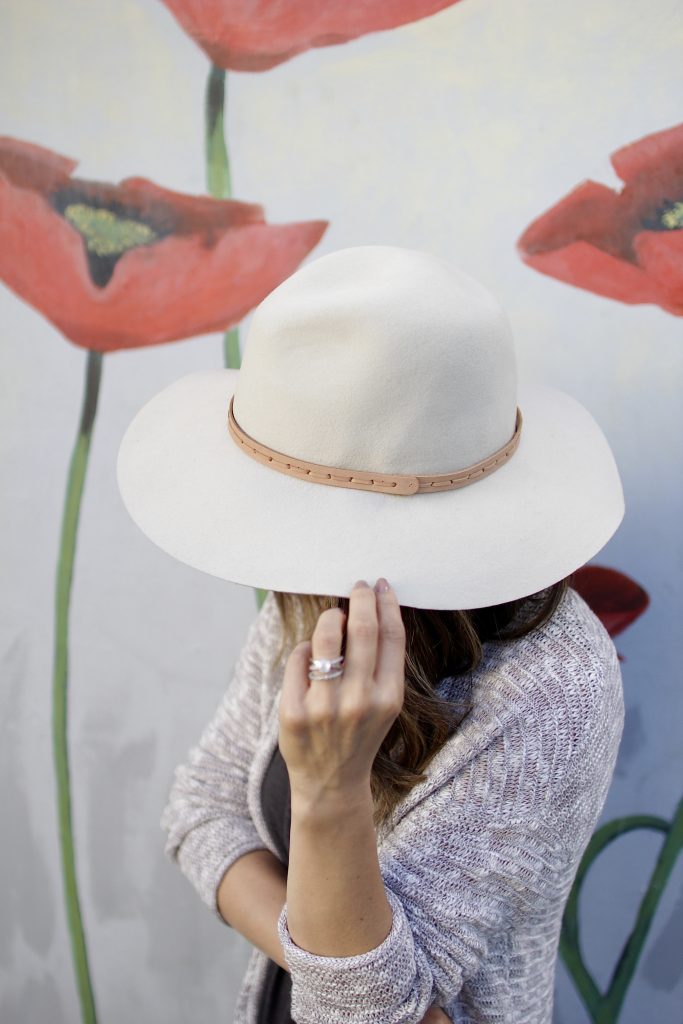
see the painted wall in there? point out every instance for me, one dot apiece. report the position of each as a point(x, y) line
point(454, 134)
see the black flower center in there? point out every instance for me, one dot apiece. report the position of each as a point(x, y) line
point(108, 230)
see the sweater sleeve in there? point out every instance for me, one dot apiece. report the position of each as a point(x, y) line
point(484, 857)
point(455, 876)
point(206, 817)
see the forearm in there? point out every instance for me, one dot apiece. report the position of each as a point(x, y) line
point(336, 902)
point(250, 897)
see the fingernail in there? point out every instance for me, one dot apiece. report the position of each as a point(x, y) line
point(381, 585)
point(360, 583)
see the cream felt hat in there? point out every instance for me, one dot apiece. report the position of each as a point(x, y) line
point(374, 428)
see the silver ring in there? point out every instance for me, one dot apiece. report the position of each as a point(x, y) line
point(325, 668)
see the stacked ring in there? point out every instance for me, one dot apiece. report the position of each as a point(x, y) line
point(325, 668)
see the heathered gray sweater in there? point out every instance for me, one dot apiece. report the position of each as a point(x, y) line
point(479, 858)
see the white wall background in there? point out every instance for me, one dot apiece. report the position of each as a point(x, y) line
point(450, 134)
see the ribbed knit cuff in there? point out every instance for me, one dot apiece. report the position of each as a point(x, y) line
point(342, 987)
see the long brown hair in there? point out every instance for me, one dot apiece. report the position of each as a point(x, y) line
point(439, 643)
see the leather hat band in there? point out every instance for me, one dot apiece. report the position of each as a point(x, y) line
point(361, 480)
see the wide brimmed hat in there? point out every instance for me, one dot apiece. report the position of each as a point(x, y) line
point(375, 428)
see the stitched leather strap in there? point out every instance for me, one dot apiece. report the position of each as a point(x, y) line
point(359, 479)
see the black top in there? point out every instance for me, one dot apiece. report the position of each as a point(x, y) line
point(275, 1003)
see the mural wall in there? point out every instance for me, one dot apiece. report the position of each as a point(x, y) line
point(163, 166)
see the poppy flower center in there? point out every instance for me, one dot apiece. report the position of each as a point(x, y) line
point(109, 229)
point(671, 217)
point(105, 233)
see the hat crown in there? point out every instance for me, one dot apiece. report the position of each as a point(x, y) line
point(381, 359)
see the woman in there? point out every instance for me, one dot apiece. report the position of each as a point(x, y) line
point(392, 799)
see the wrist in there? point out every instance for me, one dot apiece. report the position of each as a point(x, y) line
point(320, 805)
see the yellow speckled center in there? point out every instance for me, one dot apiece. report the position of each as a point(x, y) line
point(673, 217)
point(106, 234)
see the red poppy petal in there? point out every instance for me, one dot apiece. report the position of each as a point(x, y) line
point(166, 210)
point(180, 288)
point(30, 166)
point(660, 254)
point(254, 35)
point(584, 266)
point(650, 155)
point(191, 212)
point(42, 258)
point(615, 598)
point(194, 291)
point(594, 238)
point(590, 212)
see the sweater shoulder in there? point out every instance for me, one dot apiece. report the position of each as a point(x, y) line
point(570, 658)
point(536, 701)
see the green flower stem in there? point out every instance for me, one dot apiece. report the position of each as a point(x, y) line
point(219, 185)
point(67, 548)
point(217, 162)
point(605, 1008)
point(218, 180)
point(231, 348)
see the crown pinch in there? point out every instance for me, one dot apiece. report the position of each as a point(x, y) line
point(399, 483)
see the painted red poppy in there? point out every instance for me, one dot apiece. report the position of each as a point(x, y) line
point(133, 264)
point(615, 598)
point(254, 35)
point(625, 245)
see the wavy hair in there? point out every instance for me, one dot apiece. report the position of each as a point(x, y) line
point(439, 643)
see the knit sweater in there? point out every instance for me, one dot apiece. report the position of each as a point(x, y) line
point(477, 860)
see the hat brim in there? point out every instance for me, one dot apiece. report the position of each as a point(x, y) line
point(204, 501)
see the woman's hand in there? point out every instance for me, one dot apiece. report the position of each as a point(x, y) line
point(331, 730)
